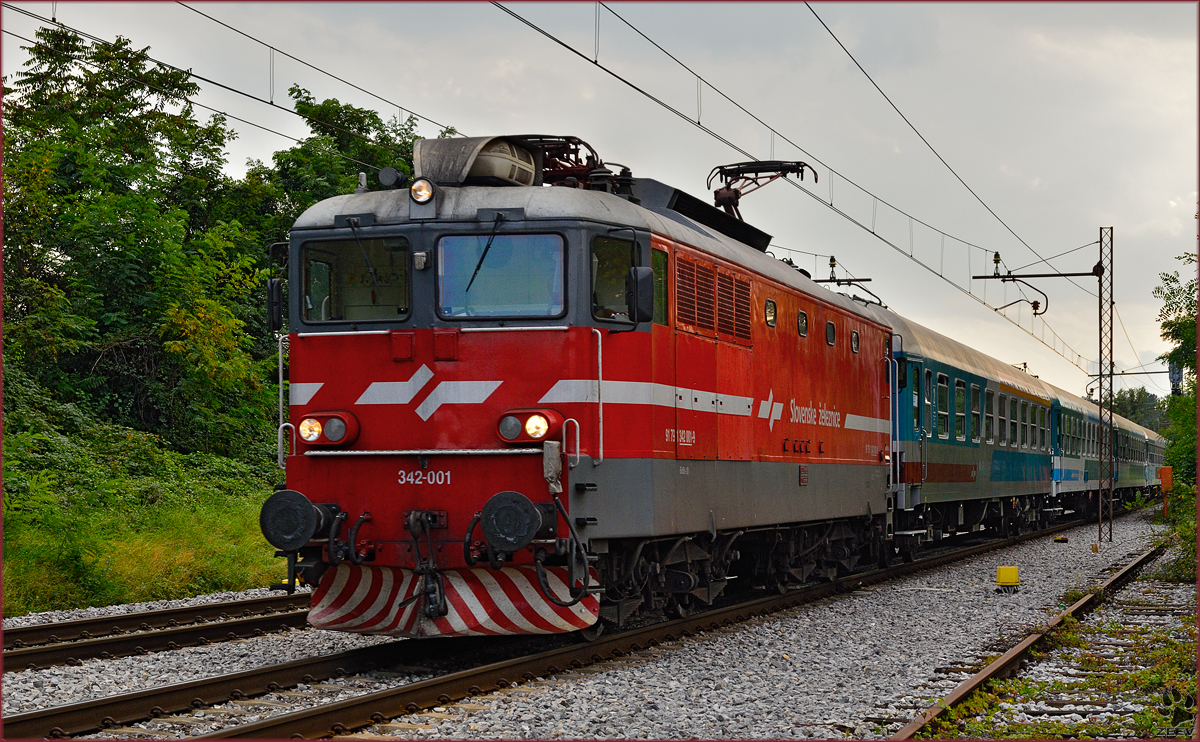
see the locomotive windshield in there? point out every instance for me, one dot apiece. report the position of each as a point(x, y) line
point(355, 280)
point(518, 275)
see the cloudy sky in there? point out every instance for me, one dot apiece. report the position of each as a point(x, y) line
point(1063, 118)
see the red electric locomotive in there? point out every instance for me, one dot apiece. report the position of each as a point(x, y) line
point(529, 394)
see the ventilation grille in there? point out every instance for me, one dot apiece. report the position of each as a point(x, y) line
point(705, 278)
point(742, 309)
point(685, 292)
point(725, 304)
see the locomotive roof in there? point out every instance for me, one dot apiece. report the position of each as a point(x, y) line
point(546, 203)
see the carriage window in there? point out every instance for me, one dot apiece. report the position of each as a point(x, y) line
point(1042, 428)
point(830, 333)
point(1003, 420)
point(854, 340)
point(611, 261)
point(960, 409)
point(355, 280)
point(802, 324)
point(505, 275)
point(769, 312)
point(1012, 421)
point(989, 416)
point(1024, 424)
point(943, 406)
point(916, 392)
point(658, 261)
point(975, 413)
point(929, 403)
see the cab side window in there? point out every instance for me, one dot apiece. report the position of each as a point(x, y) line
point(658, 262)
point(611, 261)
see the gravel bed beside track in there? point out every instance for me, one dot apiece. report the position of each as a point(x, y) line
point(816, 671)
point(30, 690)
point(34, 619)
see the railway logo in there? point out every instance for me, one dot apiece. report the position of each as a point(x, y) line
point(446, 392)
point(770, 410)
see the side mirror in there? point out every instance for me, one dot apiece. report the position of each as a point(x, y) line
point(275, 304)
point(278, 253)
point(639, 294)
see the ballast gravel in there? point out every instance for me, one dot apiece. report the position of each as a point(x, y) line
point(816, 671)
point(30, 690)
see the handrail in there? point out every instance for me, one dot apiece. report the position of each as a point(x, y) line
point(599, 393)
point(572, 461)
point(281, 448)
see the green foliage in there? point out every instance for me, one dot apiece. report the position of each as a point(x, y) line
point(96, 513)
point(1140, 406)
point(1178, 315)
point(1177, 320)
point(114, 252)
point(1181, 519)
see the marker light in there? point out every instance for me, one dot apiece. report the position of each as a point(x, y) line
point(537, 426)
point(335, 429)
point(310, 429)
point(421, 190)
point(510, 427)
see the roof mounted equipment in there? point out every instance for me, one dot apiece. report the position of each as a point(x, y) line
point(742, 178)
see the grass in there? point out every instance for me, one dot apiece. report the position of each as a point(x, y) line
point(97, 514)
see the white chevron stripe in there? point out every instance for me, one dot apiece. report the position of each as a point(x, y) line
point(300, 392)
point(869, 424)
point(340, 576)
point(456, 392)
point(360, 593)
point(396, 392)
point(533, 596)
point(382, 600)
point(583, 391)
point(501, 600)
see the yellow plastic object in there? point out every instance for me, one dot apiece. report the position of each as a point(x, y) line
point(1007, 577)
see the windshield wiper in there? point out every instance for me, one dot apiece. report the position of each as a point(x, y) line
point(352, 222)
point(495, 225)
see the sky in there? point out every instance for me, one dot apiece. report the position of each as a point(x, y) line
point(1061, 118)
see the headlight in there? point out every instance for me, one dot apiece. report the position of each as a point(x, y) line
point(310, 429)
point(510, 427)
point(335, 429)
point(421, 190)
point(536, 426)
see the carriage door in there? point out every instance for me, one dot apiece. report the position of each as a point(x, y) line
point(735, 392)
point(913, 434)
point(695, 358)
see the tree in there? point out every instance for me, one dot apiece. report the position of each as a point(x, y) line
point(125, 289)
point(1140, 406)
point(1177, 321)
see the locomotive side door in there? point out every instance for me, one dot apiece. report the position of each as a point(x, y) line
point(695, 358)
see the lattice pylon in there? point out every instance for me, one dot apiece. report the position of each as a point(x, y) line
point(1106, 386)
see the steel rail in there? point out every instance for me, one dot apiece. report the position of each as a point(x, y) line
point(89, 628)
point(90, 716)
point(107, 647)
point(1009, 662)
point(362, 711)
point(94, 715)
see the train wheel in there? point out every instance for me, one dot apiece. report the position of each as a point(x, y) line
point(593, 632)
point(680, 606)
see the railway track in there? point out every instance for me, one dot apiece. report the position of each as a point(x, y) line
point(249, 697)
point(71, 642)
point(1083, 687)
